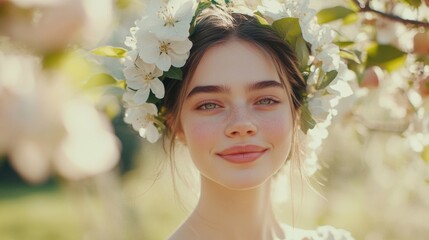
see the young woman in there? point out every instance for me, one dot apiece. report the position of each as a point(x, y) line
point(237, 111)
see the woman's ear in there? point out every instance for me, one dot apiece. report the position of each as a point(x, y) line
point(175, 125)
point(180, 135)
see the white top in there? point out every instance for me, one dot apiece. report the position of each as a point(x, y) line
point(321, 233)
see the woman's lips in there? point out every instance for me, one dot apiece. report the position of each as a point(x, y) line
point(242, 154)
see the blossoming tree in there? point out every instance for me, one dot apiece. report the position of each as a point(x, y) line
point(53, 84)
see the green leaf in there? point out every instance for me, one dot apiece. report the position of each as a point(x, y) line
point(349, 55)
point(306, 120)
point(99, 80)
point(343, 44)
point(289, 29)
point(109, 51)
point(327, 79)
point(201, 6)
point(331, 14)
point(413, 3)
point(350, 19)
point(174, 73)
point(353, 5)
point(261, 19)
point(123, 4)
point(425, 154)
point(386, 56)
point(74, 64)
point(122, 84)
point(302, 53)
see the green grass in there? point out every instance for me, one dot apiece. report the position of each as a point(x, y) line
point(42, 212)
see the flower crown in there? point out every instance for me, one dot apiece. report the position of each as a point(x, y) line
point(160, 47)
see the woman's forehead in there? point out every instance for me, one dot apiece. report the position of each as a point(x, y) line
point(233, 60)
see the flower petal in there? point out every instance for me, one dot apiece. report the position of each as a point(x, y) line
point(152, 133)
point(178, 60)
point(157, 88)
point(181, 47)
point(149, 47)
point(185, 12)
point(128, 98)
point(149, 108)
point(131, 72)
point(164, 62)
point(141, 95)
point(129, 116)
point(137, 83)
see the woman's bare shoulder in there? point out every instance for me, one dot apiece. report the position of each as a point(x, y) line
point(182, 233)
point(179, 235)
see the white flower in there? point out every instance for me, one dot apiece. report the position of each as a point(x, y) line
point(320, 106)
point(143, 77)
point(317, 134)
point(340, 86)
point(313, 78)
point(318, 36)
point(388, 31)
point(238, 6)
point(309, 31)
point(19, 73)
point(274, 9)
point(278, 9)
point(79, 154)
point(143, 120)
point(331, 233)
point(131, 41)
point(129, 60)
point(303, 13)
point(310, 163)
point(161, 51)
point(169, 20)
point(59, 23)
point(329, 56)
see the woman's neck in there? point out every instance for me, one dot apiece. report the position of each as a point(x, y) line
point(223, 213)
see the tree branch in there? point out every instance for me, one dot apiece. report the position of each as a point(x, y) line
point(367, 8)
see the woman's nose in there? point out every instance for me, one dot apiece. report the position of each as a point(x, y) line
point(240, 124)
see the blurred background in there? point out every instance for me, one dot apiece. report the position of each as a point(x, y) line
point(70, 168)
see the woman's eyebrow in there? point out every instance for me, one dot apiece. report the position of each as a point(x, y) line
point(222, 89)
point(265, 84)
point(207, 89)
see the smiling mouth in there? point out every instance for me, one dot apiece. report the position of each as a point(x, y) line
point(242, 154)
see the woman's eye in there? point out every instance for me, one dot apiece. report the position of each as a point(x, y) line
point(266, 101)
point(208, 106)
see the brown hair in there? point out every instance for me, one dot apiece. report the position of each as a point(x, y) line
point(215, 26)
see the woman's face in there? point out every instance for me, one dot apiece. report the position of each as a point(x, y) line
point(236, 118)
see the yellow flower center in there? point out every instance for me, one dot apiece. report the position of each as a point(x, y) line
point(164, 47)
point(149, 77)
point(168, 18)
point(150, 118)
point(169, 21)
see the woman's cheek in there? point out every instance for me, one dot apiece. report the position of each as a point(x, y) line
point(277, 127)
point(201, 130)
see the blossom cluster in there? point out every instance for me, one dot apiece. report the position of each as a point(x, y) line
point(55, 24)
point(159, 41)
point(46, 127)
point(325, 60)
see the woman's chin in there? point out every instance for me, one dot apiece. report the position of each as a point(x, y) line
point(242, 183)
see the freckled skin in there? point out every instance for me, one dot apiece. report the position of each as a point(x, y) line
point(240, 116)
